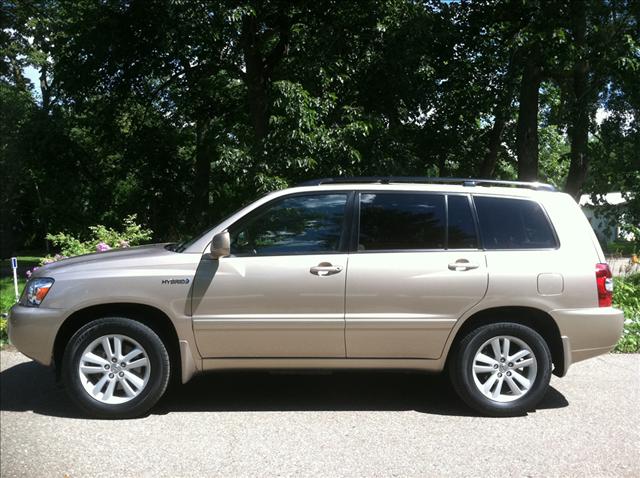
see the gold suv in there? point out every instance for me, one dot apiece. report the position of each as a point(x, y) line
point(500, 283)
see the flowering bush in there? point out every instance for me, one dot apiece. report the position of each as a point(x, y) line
point(102, 246)
point(626, 296)
point(102, 239)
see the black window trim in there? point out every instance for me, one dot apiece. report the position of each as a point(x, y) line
point(344, 235)
point(521, 249)
point(355, 233)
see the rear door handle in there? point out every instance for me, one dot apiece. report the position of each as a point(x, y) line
point(325, 269)
point(463, 265)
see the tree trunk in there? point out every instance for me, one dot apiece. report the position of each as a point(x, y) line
point(258, 102)
point(259, 67)
point(501, 114)
point(18, 77)
point(527, 127)
point(200, 207)
point(488, 166)
point(256, 80)
point(580, 117)
point(44, 88)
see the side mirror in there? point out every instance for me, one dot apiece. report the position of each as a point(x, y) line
point(220, 245)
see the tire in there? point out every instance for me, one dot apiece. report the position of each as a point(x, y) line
point(486, 383)
point(104, 389)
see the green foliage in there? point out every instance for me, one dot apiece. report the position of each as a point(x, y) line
point(101, 238)
point(623, 248)
point(183, 111)
point(626, 296)
point(7, 294)
point(69, 245)
point(7, 299)
point(554, 151)
point(4, 337)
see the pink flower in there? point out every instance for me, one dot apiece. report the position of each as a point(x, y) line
point(101, 247)
point(31, 271)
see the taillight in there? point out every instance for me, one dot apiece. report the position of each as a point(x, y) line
point(604, 282)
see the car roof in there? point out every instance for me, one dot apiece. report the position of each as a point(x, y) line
point(493, 188)
point(469, 182)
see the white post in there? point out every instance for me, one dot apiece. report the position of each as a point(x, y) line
point(14, 266)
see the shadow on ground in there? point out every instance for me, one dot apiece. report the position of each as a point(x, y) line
point(31, 387)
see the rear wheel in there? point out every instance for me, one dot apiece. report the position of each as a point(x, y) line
point(501, 369)
point(115, 368)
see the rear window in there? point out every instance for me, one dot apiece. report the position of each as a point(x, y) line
point(507, 223)
point(400, 221)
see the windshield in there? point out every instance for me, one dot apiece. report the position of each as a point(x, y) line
point(184, 245)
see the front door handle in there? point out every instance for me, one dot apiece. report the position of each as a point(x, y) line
point(462, 265)
point(325, 269)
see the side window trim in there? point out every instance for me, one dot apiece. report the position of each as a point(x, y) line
point(446, 222)
point(538, 203)
point(476, 222)
point(349, 223)
point(344, 237)
point(355, 223)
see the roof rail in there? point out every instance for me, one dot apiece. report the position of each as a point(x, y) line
point(425, 180)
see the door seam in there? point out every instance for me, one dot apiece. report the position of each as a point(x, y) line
point(344, 307)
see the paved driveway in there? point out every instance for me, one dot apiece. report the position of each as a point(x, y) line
point(342, 424)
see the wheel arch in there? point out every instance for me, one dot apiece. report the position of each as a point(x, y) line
point(537, 319)
point(152, 317)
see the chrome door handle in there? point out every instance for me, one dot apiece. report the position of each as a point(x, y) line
point(462, 265)
point(325, 269)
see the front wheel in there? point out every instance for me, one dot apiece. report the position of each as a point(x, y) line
point(115, 368)
point(501, 369)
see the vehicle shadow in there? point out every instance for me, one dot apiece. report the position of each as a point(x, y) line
point(31, 387)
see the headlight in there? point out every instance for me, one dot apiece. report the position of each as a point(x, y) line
point(36, 290)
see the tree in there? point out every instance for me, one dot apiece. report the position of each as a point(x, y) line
point(604, 38)
point(180, 112)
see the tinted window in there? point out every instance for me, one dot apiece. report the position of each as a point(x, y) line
point(513, 224)
point(298, 224)
point(462, 229)
point(401, 221)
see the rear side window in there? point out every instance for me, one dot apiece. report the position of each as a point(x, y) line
point(397, 221)
point(507, 223)
point(462, 229)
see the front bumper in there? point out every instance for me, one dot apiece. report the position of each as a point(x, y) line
point(33, 331)
point(588, 332)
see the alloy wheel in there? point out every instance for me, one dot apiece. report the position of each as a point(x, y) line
point(114, 369)
point(504, 368)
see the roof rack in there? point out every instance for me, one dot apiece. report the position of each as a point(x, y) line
point(425, 180)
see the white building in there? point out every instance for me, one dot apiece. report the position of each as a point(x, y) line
point(606, 226)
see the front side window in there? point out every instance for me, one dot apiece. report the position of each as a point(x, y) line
point(400, 221)
point(507, 223)
point(292, 225)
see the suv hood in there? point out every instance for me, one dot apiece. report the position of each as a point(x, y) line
point(108, 259)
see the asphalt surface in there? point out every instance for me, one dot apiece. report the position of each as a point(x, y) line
point(332, 425)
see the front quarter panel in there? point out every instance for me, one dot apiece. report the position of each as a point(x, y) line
point(162, 281)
